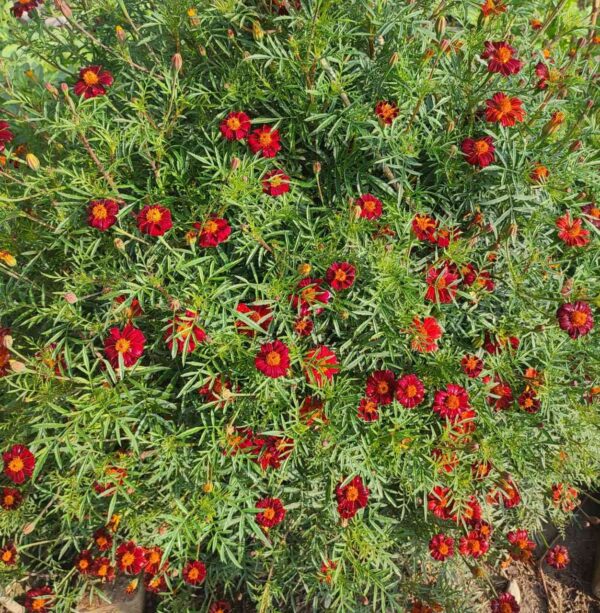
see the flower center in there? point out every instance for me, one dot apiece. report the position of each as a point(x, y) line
point(122, 345)
point(481, 147)
point(370, 407)
point(9, 500)
point(505, 607)
point(38, 604)
point(273, 358)
point(154, 557)
point(269, 513)
point(99, 211)
point(193, 574)
point(309, 294)
point(352, 493)
point(265, 139)
point(103, 570)
point(90, 78)
point(505, 106)
point(153, 215)
point(443, 549)
point(7, 556)
point(504, 55)
point(210, 227)
point(382, 387)
point(83, 564)
point(276, 180)
point(16, 465)
point(128, 559)
point(369, 206)
point(340, 275)
point(579, 318)
point(452, 402)
point(411, 391)
point(233, 123)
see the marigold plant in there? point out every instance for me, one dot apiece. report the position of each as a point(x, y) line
point(299, 299)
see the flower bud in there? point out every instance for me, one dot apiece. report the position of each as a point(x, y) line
point(64, 8)
point(202, 50)
point(317, 167)
point(8, 259)
point(440, 25)
point(64, 88)
point(51, 89)
point(394, 58)
point(208, 487)
point(119, 244)
point(257, 32)
point(230, 33)
point(121, 34)
point(177, 62)
point(304, 269)
point(70, 298)
point(17, 367)
point(32, 161)
point(235, 163)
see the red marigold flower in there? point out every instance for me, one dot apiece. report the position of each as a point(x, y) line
point(386, 111)
point(444, 236)
point(6, 135)
point(445, 461)
point(131, 558)
point(312, 410)
point(102, 214)
point(194, 572)
point(369, 207)
point(84, 562)
point(103, 569)
point(442, 284)
point(505, 603)
point(508, 493)
point(471, 365)
point(19, 463)
point(368, 410)
point(153, 564)
point(592, 213)
point(341, 275)
point(10, 498)
point(185, 333)
point(93, 81)
point(21, 7)
point(424, 227)
point(8, 554)
point(273, 512)
point(235, 126)
point(410, 391)
point(275, 183)
point(154, 220)
point(529, 401)
point(351, 497)
point(273, 359)
point(127, 343)
point(501, 396)
point(310, 296)
point(441, 547)
point(155, 584)
point(39, 599)
point(571, 231)
point(479, 151)
point(440, 503)
point(381, 385)
point(521, 546)
point(111, 471)
point(425, 334)
point(536, 24)
point(220, 606)
point(471, 276)
point(265, 140)
point(327, 569)
point(303, 326)
point(575, 318)
point(501, 58)
point(493, 7)
point(558, 557)
point(451, 402)
point(272, 450)
point(214, 231)
point(474, 544)
point(259, 314)
point(481, 469)
point(217, 390)
point(320, 365)
point(504, 110)
point(565, 498)
point(471, 514)
point(133, 310)
point(103, 539)
point(418, 606)
point(539, 174)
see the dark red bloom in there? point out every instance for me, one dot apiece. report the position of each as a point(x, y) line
point(103, 539)
point(131, 558)
point(8, 554)
point(194, 572)
point(504, 110)
point(564, 497)
point(155, 584)
point(185, 332)
point(442, 284)
point(39, 599)
point(265, 140)
point(451, 402)
point(505, 603)
point(521, 546)
point(214, 231)
point(102, 214)
point(575, 318)
point(474, 544)
point(310, 296)
point(441, 547)
point(493, 7)
point(341, 275)
point(571, 231)
point(103, 569)
point(410, 391)
point(84, 562)
point(501, 58)
point(271, 450)
point(529, 401)
point(235, 126)
point(117, 473)
point(19, 463)
point(425, 334)
point(368, 410)
point(10, 498)
point(320, 365)
point(381, 386)
point(386, 111)
point(471, 365)
point(6, 135)
point(471, 515)
point(592, 214)
point(558, 557)
point(154, 220)
point(351, 497)
point(440, 503)
point(273, 359)
point(275, 183)
point(369, 207)
point(312, 411)
point(479, 151)
point(218, 390)
point(127, 344)
point(272, 512)
point(424, 228)
point(303, 325)
point(154, 556)
point(93, 81)
point(21, 7)
point(508, 494)
point(220, 606)
point(260, 314)
point(133, 310)
point(501, 396)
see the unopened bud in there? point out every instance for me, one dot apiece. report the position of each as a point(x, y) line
point(202, 50)
point(177, 62)
point(317, 167)
point(208, 487)
point(119, 244)
point(451, 126)
point(257, 31)
point(440, 25)
point(70, 298)
point(445, 45)
point(235, 163)
point(64, 88)
point(17, 367)
point(230, 33)
point(64, 8)
point(121, 34)
point(32, 161)
point(589, 104)
point(394, 58)
point(575, 145)
point(51, 89)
